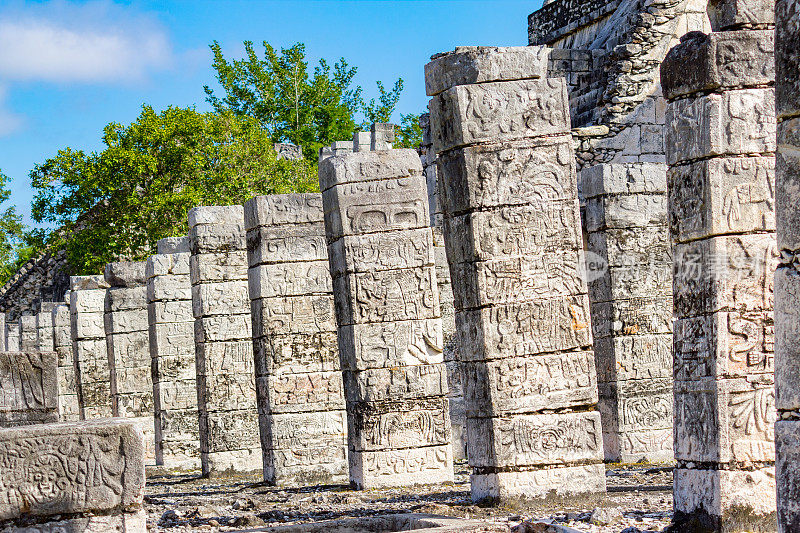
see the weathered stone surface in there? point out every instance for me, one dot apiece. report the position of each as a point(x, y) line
point(601, 180)
point(733, 14)
point(27, 334)
point(125, 274)
point(498, 112)
point(44, 327)
point(389, 318)
point(788, 167)
point(226, 391)
point(68, 405)
point(539, 483)
point(787, 445)
point(28, 388)
point(479, 64)
point(787, 58)
point(719, 61)
point(173, 245)
point(732, 123)
point(105, 476)
point(12, 337)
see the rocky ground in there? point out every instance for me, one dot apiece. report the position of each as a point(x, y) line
point(639, 499)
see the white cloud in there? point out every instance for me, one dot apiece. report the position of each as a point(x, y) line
point(68, 43)
point(9, 122)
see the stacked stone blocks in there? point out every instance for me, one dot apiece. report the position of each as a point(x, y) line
point(512, 232)
point(720, 139)
point(28, 389)
point(172, 352)
point(226, 396)
point(68, 405)
point(388, 315)
point(301, 404)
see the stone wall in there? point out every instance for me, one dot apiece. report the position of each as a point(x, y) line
point(43, 278)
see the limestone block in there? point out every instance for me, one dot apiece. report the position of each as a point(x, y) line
point(172, 246)
point(788, 189)
point(410, 466)
point(733, 123)
point(725, 420)
point(172, 339)
point(81, 283)
point(111, 450)
point(283, 209)
point(165, 312)
point(724, 345)
point(292, 315)
point(531, 278)
point(720, 196)
point(633, 357)
point(298, 393)
point(167, 264)
point(376, 296)
point(174, 395)
point(626, 211)
point(134, 522)
point(89, 325)
point(514, 231)
point(379, 252)
point(225, 357)
point(218, 267)
point(391, 344)
point(231, 431)
point(127, 321)
point(308, 430)
point(301, 352)
point(480, 64)
point(217, 238)
point(724, 274)
point(645, 445)
point(287, 243)
point(176, 369)
point(169, 287)
point(787, 446)
point(524, 329)
point(125, 274)
point(304, 467)
point(222, 328)
point(527, 440)
point(219, 391)
point(520, 385)
point(415, 423)
point(644, 247)
point(369, 166)
point(289, 279)
point(724, 494)
point(395, 383)
point(787, 57)
point(631, 317)
point(787, 332)
point(220, 299)
point(534, 172)
point(637, 405)
point(731, 14)
point(215, 214)
point(568, 480)
point(87, 301)
point(633, 178)
point(497, 112)
point(719, 61)
point(28, 389)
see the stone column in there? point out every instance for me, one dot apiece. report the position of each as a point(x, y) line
point(27, 334)
point(68, 405)
point(513, 237)
point(787, 277)
point(301, 405)
point(169, 306)
point(629, 269)
point(127, 343)
point(226, 395)
point(44, 327)
point(28, 392)
point(12, 337)
point(720, 143)
point(455, 384)
point(387, 310)
point(92, 373)
point(3, 333)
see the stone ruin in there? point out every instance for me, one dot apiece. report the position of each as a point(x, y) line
point(582, 249)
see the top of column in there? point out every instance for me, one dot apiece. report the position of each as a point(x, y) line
point(480, 64)
point(173, 245)
point(126, 274)
point(216, 214)
point(281, 209)
point(80, 283)
point(729, 15)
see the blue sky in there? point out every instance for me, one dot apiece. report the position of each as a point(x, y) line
point(69, 68)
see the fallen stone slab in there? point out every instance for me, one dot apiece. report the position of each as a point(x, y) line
point(91, 471)
point(421, 523)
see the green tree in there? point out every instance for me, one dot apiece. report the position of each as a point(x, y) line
point(311, 109)
point(15, 247)
point(409, 132)
point(118, 202)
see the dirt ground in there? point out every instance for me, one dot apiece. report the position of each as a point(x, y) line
point(639, 499)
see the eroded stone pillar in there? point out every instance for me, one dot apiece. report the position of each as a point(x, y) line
point(389, 320)
point(68, 404)
point(93, 375)
point(171, 324)
point(12, 337)
point(787, 276)
point(301, 405)
point(44, 327)
point(513, 238)
point(28, 341)
point(28, 389)
point(629, 269)
point(226, 393)
point(720, 143)
point(3, 333)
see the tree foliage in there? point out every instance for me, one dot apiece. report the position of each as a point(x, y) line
point(15, 247)
point(118, 202)
point(312, 109)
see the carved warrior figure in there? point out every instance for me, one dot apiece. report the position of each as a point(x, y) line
point(298, 379)
point(787, 276)
point(509, 198)
point(380, 249)
point(720, 137)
